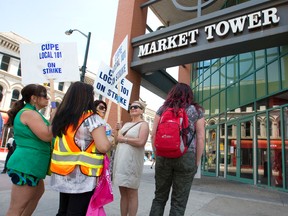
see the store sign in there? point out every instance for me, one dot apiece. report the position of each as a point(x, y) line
point(250, 22)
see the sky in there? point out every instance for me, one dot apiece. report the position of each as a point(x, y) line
point(47, 21)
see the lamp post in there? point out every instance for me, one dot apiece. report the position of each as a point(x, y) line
point(83, 69)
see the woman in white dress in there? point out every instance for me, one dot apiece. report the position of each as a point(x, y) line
point(128, 161)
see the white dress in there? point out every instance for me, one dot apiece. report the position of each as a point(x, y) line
point(129, 160)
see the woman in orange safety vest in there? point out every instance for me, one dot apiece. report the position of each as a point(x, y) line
point(79, 147)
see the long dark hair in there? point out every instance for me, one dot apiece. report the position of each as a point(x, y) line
point(26, 92)
point(78, 99)
point(180, 96)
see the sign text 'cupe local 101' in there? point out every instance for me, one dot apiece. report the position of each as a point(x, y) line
point(42, 62)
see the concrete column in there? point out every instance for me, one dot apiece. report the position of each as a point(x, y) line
point(131, 21)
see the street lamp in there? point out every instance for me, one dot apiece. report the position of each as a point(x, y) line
point(83, 69)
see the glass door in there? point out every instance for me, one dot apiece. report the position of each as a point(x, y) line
point(210, 151)
point(239, 151)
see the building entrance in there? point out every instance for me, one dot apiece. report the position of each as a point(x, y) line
point(239, 151)
point(210, 154)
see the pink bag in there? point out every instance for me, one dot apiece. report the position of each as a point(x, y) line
point(103, 193)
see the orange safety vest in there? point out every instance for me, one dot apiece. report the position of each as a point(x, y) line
point(67, 154)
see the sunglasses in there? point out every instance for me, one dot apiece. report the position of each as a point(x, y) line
point(44, 95)
point(102, 108)
point(135, 107)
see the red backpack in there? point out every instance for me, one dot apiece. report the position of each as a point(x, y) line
point(172, 136)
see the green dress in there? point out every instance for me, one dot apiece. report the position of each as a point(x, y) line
point(32, 155)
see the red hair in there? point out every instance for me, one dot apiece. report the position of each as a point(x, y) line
point(180, 96)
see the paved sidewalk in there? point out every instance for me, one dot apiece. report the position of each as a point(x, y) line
point(209, 196)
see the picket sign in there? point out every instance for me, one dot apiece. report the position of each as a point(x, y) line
point(120, 66)
point(49, 62)
point(108, 78)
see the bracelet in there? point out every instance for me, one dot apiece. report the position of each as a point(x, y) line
point(126, 140)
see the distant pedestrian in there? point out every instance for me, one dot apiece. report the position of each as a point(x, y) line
point(128, 161)
point(11, 145)
point(153, 159)
point(178, 173)
point(1, 119)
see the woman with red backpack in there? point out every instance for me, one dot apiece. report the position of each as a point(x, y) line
point(177, 171)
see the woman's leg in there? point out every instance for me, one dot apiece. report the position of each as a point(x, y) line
point(124, 201)
point(78, 203)
point(163, 182)
point(63, 204)
point(132, 201)
point(184, 172)
point(21, 196)
point(32, 204)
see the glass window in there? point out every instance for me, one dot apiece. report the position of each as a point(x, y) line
point(260, 83)
point(206, 105)
point(5, 62)
point(232, 97)
point(259, 58)
point(271, 54)
point(285, 132)
point(284, 71)
point(19, 70)
point(206, 89)
point(283, 49)
point(273, 77)
point(215, 82)
point(222, 77)
point(15, 97)
point(232, 71)
point(247, 93)
point(222, 101)
point(246, 64)
point(215, 104)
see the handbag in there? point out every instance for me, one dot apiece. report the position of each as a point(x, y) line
point(103, 193)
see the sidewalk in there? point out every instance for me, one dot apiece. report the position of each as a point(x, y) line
point(209, 196)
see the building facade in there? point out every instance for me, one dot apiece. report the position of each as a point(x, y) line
point(234, 55)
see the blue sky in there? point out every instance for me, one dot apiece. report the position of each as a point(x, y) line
point(47, 21)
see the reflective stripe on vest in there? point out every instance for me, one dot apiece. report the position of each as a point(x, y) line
point(66, 154)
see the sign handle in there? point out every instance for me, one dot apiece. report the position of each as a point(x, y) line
point(52, 93)
point(108, 110)
point(118, 104)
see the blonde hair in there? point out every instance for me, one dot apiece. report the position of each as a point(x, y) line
point(141, 104)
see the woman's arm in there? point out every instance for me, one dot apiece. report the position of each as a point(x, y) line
point(153, 133)
point(200, 134)
point(36, 124)
point(138, 141)
point(103, 145)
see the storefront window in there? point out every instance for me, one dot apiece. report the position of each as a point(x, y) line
point(232, 97)
point(273, 77)
point(215, 82)
point(285, 133)
point(215, 104)
point(284, 71)
point(246, 64)
point(260, 83)
point(247, 90)
point(259, 58)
